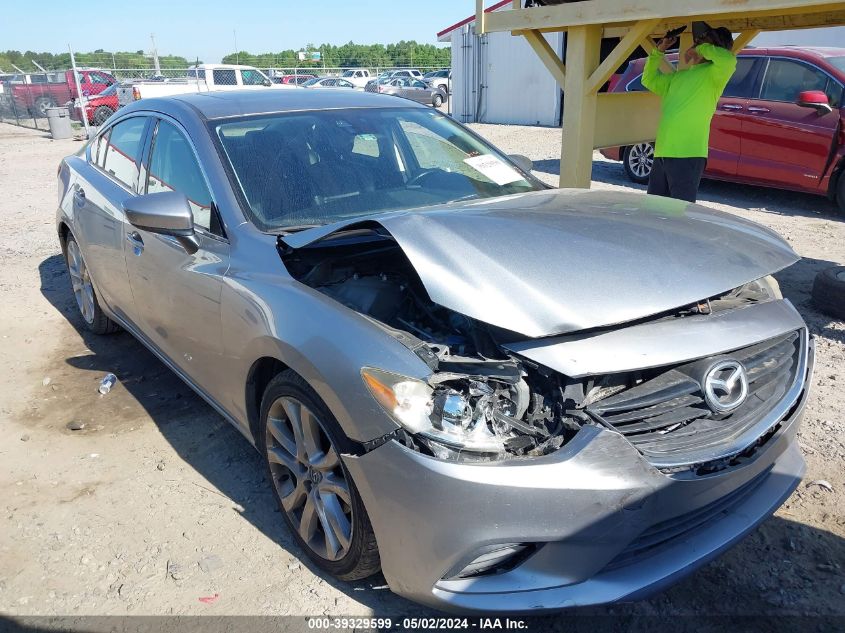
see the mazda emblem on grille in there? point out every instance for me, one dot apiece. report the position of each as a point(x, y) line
point(725, 386)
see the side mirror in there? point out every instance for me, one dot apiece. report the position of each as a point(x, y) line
point(523, 162)
point(815, 99)
point(165, 213)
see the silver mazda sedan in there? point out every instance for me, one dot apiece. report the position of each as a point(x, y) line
point(504, 396)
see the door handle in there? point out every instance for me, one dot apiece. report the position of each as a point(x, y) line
point(732, 106)
point(758, 109)
point(136, 241)
point(79, 196)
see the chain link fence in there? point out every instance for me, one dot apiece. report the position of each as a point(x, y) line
point(91, 93)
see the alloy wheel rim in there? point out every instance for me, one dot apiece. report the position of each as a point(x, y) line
point(83, 290)
point(641, 159)
point(309, 479)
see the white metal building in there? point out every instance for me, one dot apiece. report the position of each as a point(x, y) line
point(498, 78)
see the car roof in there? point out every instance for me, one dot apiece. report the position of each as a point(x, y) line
point(236, 103)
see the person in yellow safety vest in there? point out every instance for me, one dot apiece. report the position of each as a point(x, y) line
point(688, 102)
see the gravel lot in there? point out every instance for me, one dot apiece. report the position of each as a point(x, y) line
point(157, 506)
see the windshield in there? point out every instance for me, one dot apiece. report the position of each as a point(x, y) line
point(320, 167)
point(837, 62)
point(108, 91)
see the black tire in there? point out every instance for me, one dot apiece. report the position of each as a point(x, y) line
point(437, 101)
point(840, 193)
point(101, 114)
point(829, 291)
point(93, 317)
point(637, 161)
point(362, 558)
point(41, 104)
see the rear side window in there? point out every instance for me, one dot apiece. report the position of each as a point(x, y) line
point(741, 83)
point(224, 77)
point(124, 149)
point(173, 167)
point(785, 79)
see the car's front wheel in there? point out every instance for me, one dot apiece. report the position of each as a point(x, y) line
point(101, 114)
point(638, 161)
point(84, 293)
point(840, 194)
point(437, 101)
point(303, 444)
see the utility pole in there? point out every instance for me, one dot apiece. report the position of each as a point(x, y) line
point(155, 54)
point(237, 52)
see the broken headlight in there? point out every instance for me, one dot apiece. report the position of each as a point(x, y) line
point(458, 414)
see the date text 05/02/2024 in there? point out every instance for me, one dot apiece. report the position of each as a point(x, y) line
point(444, 623)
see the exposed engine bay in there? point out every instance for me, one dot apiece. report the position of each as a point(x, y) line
point(483, 402)
point(507, 406)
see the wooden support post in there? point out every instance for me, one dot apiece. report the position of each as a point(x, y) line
point(547, 55)
point(744, 39)
point(686, 43)
point(625, 47)
point(583, 47)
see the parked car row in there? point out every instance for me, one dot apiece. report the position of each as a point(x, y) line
point(780, 122)
point(409, 88)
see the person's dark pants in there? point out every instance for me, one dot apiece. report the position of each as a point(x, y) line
point(676, 177)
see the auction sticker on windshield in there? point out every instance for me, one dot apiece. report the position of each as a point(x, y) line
point(493, 168)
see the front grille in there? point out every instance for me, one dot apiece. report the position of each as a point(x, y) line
point(665, 532)
point(664, 413)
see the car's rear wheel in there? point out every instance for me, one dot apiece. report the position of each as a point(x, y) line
point(84, 293)
point(437, 101)
point(638, 161)
point(840, 193)
point(302, 443)
point(101, 114)
point(42, 104)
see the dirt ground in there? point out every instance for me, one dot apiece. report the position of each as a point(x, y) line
point(157, 506)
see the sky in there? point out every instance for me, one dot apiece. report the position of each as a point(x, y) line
point(204, 30)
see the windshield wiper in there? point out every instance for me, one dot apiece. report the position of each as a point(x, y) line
point(288, 230)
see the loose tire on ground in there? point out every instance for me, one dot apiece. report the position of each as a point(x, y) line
point(283, 455)
point(829, 291)
point(638, 161)
point(84, 293)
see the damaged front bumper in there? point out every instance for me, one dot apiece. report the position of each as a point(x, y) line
point(607, 525)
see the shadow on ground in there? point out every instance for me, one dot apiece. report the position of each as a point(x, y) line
point(744, 196)
point(755, 578)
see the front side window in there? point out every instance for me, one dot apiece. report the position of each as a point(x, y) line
point(786, 79)
point(174, 167)
point(318, 167)
point(252, 78)
point(123, 150)
point(224, 77)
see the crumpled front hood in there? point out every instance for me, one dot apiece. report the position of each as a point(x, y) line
point(560, 261)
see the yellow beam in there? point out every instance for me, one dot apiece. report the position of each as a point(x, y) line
point(744, 39)
point(649, 46)
point(626, 118)
point(613, 12)
point(547, 55)
point(583, 46)
point(625, 47)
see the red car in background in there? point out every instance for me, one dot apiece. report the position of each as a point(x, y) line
point(47, 90)
point(99, 107)
point(780, 122)
point(294, 79)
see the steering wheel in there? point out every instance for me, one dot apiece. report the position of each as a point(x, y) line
point(415, 180)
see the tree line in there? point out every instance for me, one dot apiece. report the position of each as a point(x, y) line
point(99, 58)
point(403, 53)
